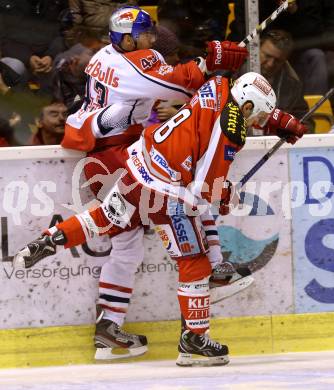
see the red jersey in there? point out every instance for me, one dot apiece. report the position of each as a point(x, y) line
point(196, 146)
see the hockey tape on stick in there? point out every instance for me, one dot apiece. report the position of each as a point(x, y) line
point(262, 26)
point(266, 157)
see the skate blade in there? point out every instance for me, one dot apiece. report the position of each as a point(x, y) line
point(217, 294)
point(186, 360)
point(106, 353)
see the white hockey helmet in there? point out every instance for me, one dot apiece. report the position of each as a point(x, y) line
point(253, 87)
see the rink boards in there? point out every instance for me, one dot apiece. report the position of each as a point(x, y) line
point(258, 335)
point(285, 236)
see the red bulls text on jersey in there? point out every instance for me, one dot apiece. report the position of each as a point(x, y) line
point(129, 83)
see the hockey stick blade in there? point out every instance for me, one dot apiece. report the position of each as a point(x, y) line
point(278, 144)
point(217, 294)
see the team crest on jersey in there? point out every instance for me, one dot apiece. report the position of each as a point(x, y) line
point(207, 95)
point(187, 163)
point(117, 205)
point(117, 209)
point(233, 123)
point(165, 69)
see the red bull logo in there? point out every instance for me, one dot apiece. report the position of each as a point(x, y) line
point(127, 16)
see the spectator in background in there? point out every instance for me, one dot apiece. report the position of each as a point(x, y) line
point(312, 28)
point(91, 17)
point(50, 125)
point(68, 76)
point(7, 130)
point(28, 29)
point(275, 49)
point(311, 24)
point(238, 25)
point(19, 105)
point(12, 73)
point(194, 22)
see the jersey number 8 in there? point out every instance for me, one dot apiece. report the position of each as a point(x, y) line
point(164, 131)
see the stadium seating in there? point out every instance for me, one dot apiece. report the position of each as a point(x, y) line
point(323, 116)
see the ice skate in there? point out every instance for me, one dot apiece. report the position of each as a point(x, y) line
point(35, 251)
point(226, 280)
point(207, 351)
point(108, 335)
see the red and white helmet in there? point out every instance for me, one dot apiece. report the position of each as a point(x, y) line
point(253, 87)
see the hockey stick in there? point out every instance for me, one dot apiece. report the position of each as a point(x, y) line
point(257, 30)
point(217, 294)
point(278, 144)
point(260, 27)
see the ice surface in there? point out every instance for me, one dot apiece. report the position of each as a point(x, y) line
point(311, 371)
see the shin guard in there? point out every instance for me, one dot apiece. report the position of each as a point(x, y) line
point(194, 300)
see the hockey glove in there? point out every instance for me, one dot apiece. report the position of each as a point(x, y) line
point(225, 55)
point(285, 126)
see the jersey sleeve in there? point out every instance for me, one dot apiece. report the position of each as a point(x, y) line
point(166, 81)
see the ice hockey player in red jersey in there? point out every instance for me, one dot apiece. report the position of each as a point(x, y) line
point(124, 80)
point(176, 165)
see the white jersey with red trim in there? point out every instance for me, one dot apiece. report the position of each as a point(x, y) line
point(195, 147)
point(129, 83)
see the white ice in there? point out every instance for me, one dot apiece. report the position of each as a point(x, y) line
point(311, 371)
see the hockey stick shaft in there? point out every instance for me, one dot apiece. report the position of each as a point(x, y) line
point(262, 26)
point(278, 144)
point(258, 29)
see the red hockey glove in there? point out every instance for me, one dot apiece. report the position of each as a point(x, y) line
point(285, 125)
point(225, 55)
